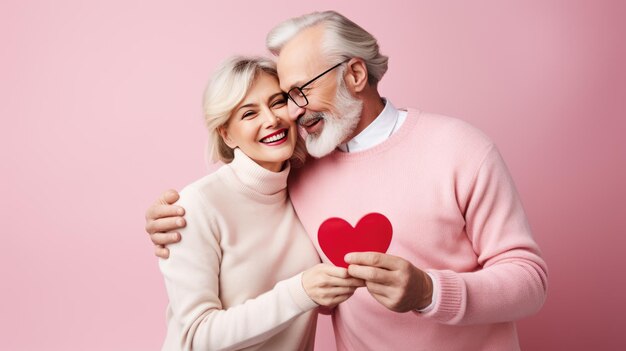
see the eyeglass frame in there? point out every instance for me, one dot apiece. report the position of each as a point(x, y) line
point(299, 89)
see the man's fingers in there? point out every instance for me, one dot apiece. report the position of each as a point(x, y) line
point(164, 239)
point(162, 252)
point(377, 289)
point(370, 274)
point(162, 217)
point(353, 282)
point(374, 259)
point(157, 211)
point(168, 197)
point(163, 202)
point(165, 225)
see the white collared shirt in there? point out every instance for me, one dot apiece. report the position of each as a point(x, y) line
point(388, 122)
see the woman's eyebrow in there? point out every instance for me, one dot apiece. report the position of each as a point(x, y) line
point(251, 104)
point(281, 93)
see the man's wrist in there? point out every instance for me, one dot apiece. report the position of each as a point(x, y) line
point(427, 302)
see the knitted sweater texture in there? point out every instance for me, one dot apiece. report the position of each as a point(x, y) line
point(455, 213)
point(234, 280)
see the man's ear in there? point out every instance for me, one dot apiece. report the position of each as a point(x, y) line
point(226, 137)
point(356, 75)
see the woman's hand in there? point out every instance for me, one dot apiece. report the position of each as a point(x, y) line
point(328, 285)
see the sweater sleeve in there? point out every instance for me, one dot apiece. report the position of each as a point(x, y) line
point(191, 276)
point(513, 280)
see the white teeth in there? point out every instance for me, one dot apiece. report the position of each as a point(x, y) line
point(274, 138)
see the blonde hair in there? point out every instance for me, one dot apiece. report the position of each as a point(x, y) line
point(343, 39)
point(228, 86)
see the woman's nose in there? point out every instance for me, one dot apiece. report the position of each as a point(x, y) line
point(294, 110)
point(271, 119)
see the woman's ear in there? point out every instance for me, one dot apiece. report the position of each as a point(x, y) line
point(356, 75)
point(226, 137)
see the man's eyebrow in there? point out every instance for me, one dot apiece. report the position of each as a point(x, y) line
point(297, 84)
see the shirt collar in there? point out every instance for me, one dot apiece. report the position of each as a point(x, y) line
point(378, 131)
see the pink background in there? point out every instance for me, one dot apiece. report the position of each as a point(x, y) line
point(101, 112)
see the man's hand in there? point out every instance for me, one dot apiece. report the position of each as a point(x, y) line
point(163, 217)
point(391, 280)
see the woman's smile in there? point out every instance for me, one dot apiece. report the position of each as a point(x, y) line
point(276, 138)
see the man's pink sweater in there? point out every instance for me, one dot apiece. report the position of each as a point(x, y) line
point(455, 214)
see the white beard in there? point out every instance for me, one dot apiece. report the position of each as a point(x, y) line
point(338, 126)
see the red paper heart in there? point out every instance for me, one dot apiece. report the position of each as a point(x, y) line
point(337, 237)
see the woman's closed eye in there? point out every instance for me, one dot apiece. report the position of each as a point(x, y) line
point(248, 114)
point(278, 103)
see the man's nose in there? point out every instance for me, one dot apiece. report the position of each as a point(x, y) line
point(295, 111)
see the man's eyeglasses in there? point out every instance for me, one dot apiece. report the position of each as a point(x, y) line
point(297, 95)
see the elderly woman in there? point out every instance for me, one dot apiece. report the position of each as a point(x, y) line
point(245, 275)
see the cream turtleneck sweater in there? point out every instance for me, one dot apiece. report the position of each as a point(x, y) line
point(234, 280)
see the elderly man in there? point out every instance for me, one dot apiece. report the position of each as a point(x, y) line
point(462, 266)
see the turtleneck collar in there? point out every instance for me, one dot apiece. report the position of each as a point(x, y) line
point(257, 178)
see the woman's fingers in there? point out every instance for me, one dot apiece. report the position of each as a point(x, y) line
point(337, 291)
point(334, 281)
point(330, 297)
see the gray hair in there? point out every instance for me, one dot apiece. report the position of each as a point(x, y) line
point(343, 39)
point(228, 86)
